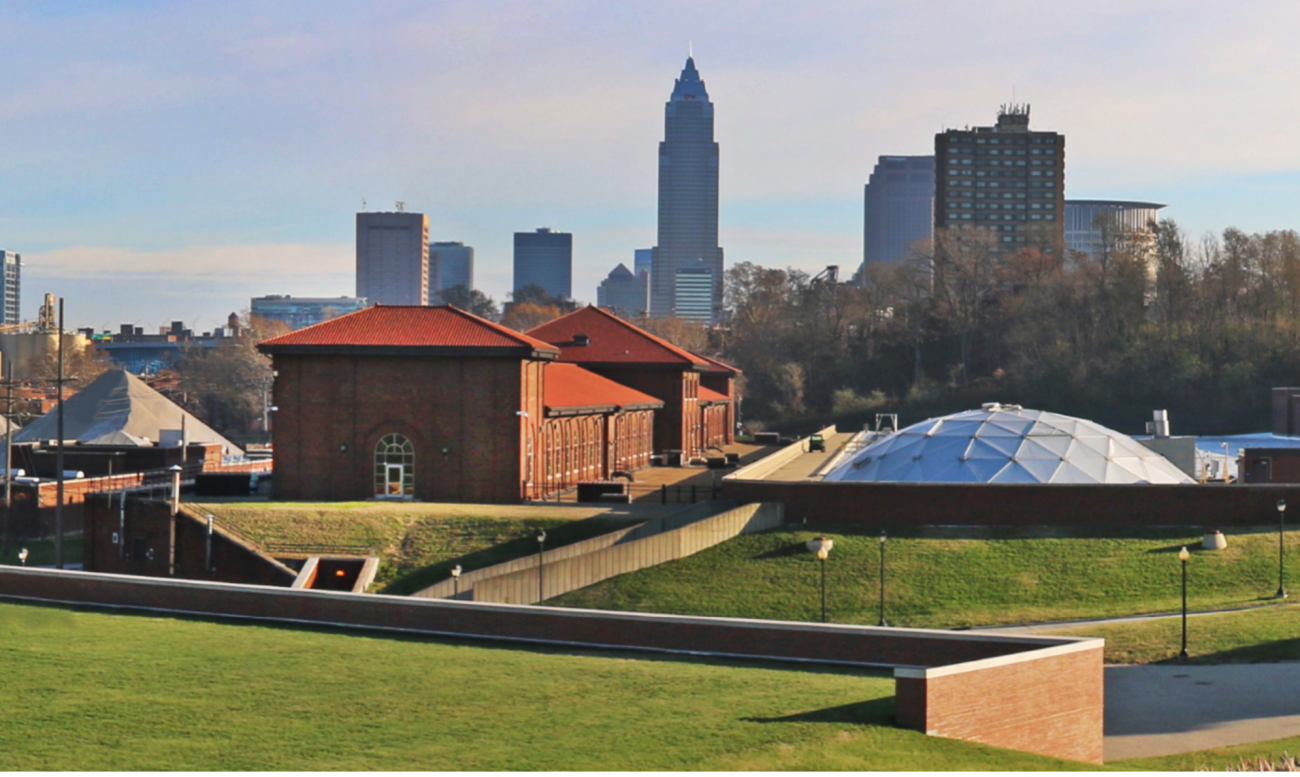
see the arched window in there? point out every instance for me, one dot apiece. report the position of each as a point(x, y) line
point(395, 468)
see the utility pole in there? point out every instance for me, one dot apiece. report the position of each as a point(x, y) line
point(58, 507)
point(9, 454)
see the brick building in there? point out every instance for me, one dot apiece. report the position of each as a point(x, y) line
point(609, 346)
point(435, 404)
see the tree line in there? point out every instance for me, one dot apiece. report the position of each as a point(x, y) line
point(1203, 328)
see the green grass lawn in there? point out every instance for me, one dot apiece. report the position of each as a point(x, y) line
point(1255, 636)
point(41, 552)
point(1215, 760)
point(417, 543)
point(94, 691)
point(951, 578)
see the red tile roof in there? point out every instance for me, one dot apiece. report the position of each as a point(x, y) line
point(718, 367)
point(409, 326)
point(709, 395)
point(570, 386)
point(611, 341)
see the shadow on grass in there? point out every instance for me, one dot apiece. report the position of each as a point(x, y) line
point(559, 533)
point(876, 712)
point(1264, 653)
point(51, 617)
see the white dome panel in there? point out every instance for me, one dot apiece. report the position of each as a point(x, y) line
point(1007, 444)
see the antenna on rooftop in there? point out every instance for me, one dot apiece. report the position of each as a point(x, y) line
point(400, 205)
point(690, 48)
point(363, 204)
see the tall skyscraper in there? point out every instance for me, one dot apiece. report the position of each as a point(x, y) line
point(643, 259)
point(544, 258)
point(898, 207)
point(1004, 178)
point(623, 291)
point(688, 195)
point(451, 265)
point(393, 258)
point(13, 264)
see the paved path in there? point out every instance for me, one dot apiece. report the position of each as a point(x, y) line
point(1057, 627)
point(1166, 709)
point(804, 465)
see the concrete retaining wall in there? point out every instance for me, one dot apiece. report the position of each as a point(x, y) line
point(769, 464)
point(677, 539)
point(654, 526)
point(1041, 694)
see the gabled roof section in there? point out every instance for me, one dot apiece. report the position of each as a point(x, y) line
point(710, 397)
point(717, 367)
point(611, 340)
point(117, 408)
point(568, 387)
point(410, 329)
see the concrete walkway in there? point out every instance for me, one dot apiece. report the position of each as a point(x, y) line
point(804, 465)
point(1056, 627)
point(1163, 709)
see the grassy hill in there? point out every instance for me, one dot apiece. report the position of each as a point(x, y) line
point(952, 577)
point(103, 692)
point(417, 543)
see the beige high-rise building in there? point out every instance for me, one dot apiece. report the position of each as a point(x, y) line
point(393, 258)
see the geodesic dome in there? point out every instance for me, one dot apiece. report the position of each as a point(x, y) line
point(1007, 444)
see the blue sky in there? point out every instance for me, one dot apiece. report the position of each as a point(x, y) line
point(170, 160)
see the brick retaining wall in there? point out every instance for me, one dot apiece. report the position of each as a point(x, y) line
point(953, 504)
point(1040, 694)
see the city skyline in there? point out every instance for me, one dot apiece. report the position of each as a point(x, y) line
point(172, 162)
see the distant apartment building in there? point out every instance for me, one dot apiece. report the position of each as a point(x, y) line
point(544, 258)
point(693, 292)
point(1005, 178)
point(13, 264)
point(300, 312)
point(898, 207)
point(624, 292)
point(451, 265)
point(393, 258)
point(1088, 222)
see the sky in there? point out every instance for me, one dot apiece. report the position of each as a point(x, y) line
point(168, 161)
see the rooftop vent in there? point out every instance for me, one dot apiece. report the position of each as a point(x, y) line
point(994, 407)
point(582, 340)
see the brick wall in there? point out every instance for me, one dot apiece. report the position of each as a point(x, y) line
point(1051, 705)
point(461, 414)
point(911, 504)
point(138, 542)
point(1052, 709)
point(678, 424)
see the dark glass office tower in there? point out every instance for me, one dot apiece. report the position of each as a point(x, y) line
point(688, 194)
point(544, 258)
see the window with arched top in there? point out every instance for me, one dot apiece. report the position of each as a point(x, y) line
point(395, 468)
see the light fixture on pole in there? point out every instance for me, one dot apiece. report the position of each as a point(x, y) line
point(541, 548)
point(822, 555)
point(1183, 556)
point(821, 546)
point(1281, 556)
point(882, 579)
point(455, 581)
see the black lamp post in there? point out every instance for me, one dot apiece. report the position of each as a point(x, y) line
point(882, 579)
point(1281, 557)
point(823, 553)
point(541, 548)
point(455, 581)
point(1183, 556)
